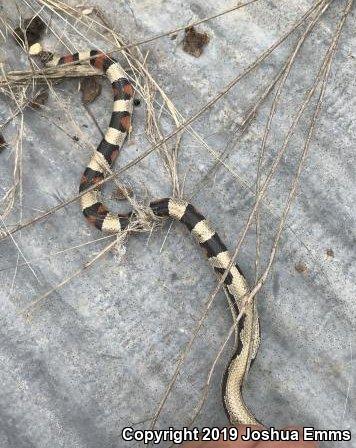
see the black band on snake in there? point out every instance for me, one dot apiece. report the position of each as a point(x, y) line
point(247, 340)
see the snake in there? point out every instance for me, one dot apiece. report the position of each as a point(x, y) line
point(247, 332)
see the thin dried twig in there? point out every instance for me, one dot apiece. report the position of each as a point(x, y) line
point(58, 252)
point(35, 303)
point(323, 7)
point(23, 77)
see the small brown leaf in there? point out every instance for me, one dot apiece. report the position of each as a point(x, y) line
point(90, 88)
point(330, 253)
point(194, 42)
point(301, 267)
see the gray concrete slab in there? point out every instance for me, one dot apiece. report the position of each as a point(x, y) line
point(99, 353)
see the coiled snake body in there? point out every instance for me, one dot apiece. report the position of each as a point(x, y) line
point(247, 339)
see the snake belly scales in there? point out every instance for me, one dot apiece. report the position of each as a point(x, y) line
point(247, 331)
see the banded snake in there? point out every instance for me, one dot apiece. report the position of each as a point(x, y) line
point(97, 214)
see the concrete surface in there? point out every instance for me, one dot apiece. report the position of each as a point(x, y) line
point(98, 354)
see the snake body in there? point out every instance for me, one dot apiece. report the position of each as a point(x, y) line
point(247, 332)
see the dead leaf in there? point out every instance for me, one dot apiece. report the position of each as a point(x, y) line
point(90, 88)
point(194, 42)
point(330, 253)
point(301, 267)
